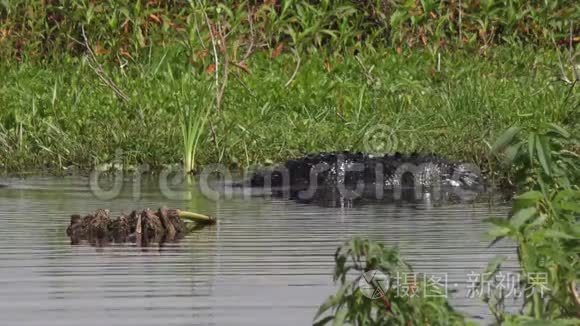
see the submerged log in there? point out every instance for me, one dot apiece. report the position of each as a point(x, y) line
point(142, 227)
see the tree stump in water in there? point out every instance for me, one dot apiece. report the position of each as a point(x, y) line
point(142, 227)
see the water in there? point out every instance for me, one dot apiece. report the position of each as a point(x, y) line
point(268, 262)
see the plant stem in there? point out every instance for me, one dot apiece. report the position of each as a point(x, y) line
point(195, 217)
point(537, 305)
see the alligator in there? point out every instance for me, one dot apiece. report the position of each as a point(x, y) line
point(347, 178)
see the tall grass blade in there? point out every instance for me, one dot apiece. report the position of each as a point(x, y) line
point(544, 153)
point(505, 139)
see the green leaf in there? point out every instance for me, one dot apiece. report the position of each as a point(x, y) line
point(498, 221)
point(530, 195)
point(544, 154)
point(541, 219)
point(494, 265)
point(398, 17)
point(522, 216)
point(323, 321)
point(559, 235)
point(567, 199)
point(556, 129)
point(498, 231)
point(332, 300)
point(339, 317)
point(531, 147)
point(527, 199)
point(556, 322)
point(327, 304)
point(570, 206)
point(505, 139)
point(511, 153)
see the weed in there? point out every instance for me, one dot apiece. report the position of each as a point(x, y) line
point(350, 306)
point(60, 115)
point(544, 223)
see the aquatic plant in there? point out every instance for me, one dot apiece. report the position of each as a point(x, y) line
point(411, 300)
point(544, 223)
point(195, 109)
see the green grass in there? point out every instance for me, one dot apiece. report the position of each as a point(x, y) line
point(60, 114)
point(55, 112)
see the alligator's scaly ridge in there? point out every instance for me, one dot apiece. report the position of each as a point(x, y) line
point(355, 176)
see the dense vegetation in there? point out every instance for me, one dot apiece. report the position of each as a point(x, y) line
point(391, 306)
point(52, 28)
point(62, 115)
point(248, 82)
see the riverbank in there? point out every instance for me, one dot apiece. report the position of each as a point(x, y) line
point(61, 114)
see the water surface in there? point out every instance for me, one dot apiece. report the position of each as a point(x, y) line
point(268, 261)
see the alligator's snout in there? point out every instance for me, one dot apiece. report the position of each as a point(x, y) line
point(468, 176)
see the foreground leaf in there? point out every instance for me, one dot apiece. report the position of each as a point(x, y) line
point(522, 216)
point(544, 154)
point(505, 139)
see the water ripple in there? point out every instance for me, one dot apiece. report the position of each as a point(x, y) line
point(267, 261)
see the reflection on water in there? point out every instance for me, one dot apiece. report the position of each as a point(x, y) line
point(268, 261)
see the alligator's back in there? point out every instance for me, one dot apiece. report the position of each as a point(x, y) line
point(359, 176)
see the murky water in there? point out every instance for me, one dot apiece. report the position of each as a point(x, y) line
point(268, 262)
